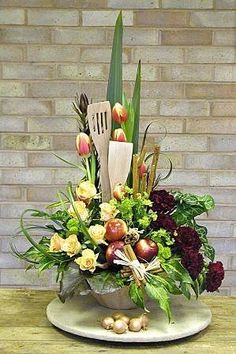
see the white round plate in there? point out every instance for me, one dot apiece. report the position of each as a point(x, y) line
point(81, 316)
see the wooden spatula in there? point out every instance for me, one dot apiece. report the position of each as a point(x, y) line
point(99, 120)
point(119, 162)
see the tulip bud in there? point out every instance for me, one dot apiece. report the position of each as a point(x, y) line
point(119, 191)
point(119, 135)
point(83, 145)
point(142, 170)
point(119, 113)
point(83, 103)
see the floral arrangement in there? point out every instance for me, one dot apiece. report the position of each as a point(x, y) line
point(129, 233)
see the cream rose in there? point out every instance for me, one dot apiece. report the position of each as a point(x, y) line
point(81, 210)
point(56, 243)
point(97, 233)
point(86, 190)
point(87, 261)
point(71, 245)
point(108, 211)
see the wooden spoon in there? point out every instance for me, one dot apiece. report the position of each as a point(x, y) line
point(119, 162)
point(99, 120)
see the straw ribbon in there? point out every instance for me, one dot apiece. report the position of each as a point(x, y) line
point(141, 272)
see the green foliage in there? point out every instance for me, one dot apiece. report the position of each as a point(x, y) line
point(136, 108)
point(162, 236)
point(128, 126)
point(209, 251)
point(137, 295)
point(189, 206)
point(179, 274)
point(166, 282)
point(134, 211)
point(160, 294)
point(114, 89)
point(71, 281)
point(163, 252)
point(103, 282)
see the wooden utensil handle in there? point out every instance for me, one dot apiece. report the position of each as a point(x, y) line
point(104, 176)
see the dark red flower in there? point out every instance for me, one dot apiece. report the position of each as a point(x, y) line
point(193, 262)
point(162, 201)
point(187, 239)
point(164, 221)
point(214, 276)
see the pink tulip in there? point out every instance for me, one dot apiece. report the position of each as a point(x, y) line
point(83, 145)
point(119, 113)
point(119, 135)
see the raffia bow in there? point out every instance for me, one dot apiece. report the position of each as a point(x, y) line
point(139, 271)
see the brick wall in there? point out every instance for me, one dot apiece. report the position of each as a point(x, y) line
point(51, 49)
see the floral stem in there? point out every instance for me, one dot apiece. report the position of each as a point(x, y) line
point(88, 169)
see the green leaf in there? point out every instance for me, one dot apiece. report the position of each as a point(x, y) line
point(189, 206)
point(46, 265)
point(128, 126)
point(40, 248)
point(208, 201)
point(136, 295)
point(209, 252)
point(114, 88)
point(159, 294)
point(195, 287)
point(136, 107)
point(104, 282)
point(70, 163)
point(201, 282)
point(166, 282)
point(72, 280)
point(185, 288)
point(176, 271)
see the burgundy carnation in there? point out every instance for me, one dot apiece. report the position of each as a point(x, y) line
point(214, 276)
point(162, 200)
point(164, 221)
point(187, 239)
point(193, 262)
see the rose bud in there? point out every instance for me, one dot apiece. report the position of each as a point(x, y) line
point(119, 191)
point(119, 135)
point(83, 145)
point(119, 113)
point(142, 170)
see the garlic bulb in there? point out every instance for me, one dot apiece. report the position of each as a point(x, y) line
point(118, 315)
point(145, 320)
point(107, 322)
point(135, 324)
point(125, 318)
point(120, 327)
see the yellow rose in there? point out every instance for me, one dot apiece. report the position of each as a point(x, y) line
point(86, 190)
point(56, 243)
point(87, 261)
point(97, 233)
point(71, 245)
point(81, 210)
point(108, 211)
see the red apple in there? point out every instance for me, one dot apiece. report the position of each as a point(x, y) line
point(145, 250)
point(116, 229)
point(110, 251)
